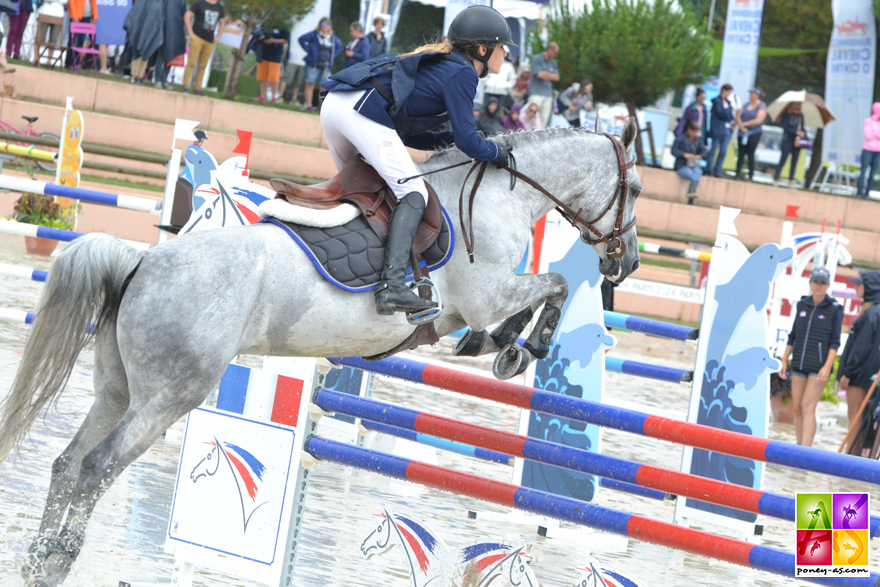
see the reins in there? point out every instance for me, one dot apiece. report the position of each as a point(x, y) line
point(615, 249)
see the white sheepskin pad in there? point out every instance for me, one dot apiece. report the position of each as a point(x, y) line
point(286, 212)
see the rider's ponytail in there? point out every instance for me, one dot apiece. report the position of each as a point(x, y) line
point(430, 48)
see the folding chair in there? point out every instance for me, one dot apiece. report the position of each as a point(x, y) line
point(87, 29)
point(48, 48)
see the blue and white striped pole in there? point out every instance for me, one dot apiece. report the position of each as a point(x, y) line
point(7, 270)
point(650, 326)
point(23, 229)
point(30, 186)
point(617, 365)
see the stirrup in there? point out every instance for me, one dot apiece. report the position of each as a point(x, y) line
point(431, 314)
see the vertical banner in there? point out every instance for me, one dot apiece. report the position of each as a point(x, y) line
point(732, 372)
point(108, 28)
point(849, 81)
point(742, 37)
point(576, 364)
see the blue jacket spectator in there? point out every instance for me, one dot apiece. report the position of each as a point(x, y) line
point(358, 50)
point(312, 42)
point(722, 115)
point(688, 151)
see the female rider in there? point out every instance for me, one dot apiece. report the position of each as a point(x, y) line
point(381, 105)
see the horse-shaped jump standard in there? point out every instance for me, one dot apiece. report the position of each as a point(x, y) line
point(168, 322)
point(433, 564)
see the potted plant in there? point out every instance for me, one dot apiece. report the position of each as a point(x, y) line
point(780, 399)
point(42, 211)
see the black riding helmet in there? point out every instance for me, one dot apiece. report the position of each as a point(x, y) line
point(479, 25)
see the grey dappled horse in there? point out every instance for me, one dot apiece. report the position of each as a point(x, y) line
point(196, 302)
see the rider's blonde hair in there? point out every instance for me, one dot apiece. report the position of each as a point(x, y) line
point(430, 48)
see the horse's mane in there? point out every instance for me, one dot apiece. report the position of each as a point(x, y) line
point(452, 154)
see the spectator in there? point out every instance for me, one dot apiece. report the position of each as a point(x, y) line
point(860, 359)
point(275, 42)
point(512, 122)
point(695, 112)
point(722, 114)
point(870, 153)
point(174, 41)
point(688, 150)
point(521, 87)
point(17, 24)
point(358, 50)
point(576, 98)
point(499, 86)
point(292, 75)
point(532, 119)
point(321, 46)
point(80, 11)
point(378, 42)
point(144, 26)
point(490, 119)
point(545, 71)
point(792, 135)
point(750, 120)
point(814, 339)
point(203, 19)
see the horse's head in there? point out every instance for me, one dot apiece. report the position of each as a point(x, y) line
point(378, 541)
point(207, 467)
point(608, 205)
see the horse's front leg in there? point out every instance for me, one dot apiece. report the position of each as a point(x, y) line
point(522, 295)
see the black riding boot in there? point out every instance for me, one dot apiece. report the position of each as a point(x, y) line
point(393, 295)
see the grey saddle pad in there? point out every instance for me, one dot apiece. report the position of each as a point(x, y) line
point(351, 256)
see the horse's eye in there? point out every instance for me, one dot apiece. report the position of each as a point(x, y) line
point(209, 456)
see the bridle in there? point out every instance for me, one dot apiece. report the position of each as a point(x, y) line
point(615, 247)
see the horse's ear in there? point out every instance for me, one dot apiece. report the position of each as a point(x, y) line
point(629, 133)
point(599, 128)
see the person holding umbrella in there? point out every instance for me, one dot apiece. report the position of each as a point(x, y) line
point(792, 134)
point(813, 111)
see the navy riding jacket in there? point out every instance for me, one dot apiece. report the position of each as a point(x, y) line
point(427, 89)
point(816, 330)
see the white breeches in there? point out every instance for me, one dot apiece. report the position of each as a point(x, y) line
point(348, 133)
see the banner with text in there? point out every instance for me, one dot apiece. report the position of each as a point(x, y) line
point(111, 16)
point(742, 37)
point(849, 81)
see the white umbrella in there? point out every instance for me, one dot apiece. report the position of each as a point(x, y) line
point(813, 108)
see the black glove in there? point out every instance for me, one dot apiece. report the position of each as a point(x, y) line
point(503, 157)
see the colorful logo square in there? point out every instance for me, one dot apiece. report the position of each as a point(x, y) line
point(814, 548)
point(850, 511)
point(850, 548)
point(814, 511)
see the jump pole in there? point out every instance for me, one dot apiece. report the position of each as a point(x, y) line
point(647, 370)
point(692, 254)
point(495, 457)
point(672, 482)
point(24, 229)
point(43, 188)
point(676, 431)
point(583, 513)
point(650, 326)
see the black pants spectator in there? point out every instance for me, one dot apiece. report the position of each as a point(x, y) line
point(748, 150)
point(788, 148)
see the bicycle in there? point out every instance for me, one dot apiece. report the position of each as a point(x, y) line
point(30, 132)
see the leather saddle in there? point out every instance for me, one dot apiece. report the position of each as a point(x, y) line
point(359, 184)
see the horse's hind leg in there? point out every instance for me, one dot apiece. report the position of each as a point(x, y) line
point(111, 401)
point(157, 401)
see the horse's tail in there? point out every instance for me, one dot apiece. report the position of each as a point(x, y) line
point(84, 288)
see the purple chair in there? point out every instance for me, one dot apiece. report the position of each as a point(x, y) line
point(82, 28)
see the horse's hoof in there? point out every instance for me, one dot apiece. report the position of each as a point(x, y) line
point(471, 344)
point(511, 361)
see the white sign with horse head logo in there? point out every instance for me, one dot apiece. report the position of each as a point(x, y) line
point(232, 485)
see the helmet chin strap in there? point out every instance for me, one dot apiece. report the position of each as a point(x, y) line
point(484, 59)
